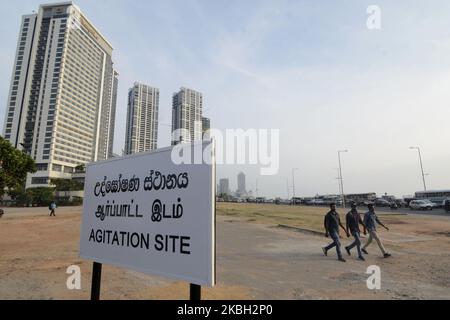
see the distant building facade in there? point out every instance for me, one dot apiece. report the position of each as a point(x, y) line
point(62, 99)
point(241, 190)
point(224, 186)
point(142, 119)
point(187, 109)
point(206, 125)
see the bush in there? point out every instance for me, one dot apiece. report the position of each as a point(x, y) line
point(66, 202)
point(14, 166)
point(41, 196)
point(67, 185)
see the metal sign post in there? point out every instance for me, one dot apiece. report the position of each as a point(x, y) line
point(195, 292)
point(96, 281)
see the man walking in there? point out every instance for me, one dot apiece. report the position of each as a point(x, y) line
point(52, 208)
point(353, 220)
point(370, 221)
point(332, 223)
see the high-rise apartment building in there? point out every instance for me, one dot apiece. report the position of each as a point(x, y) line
point(241, 184)
point(62, 99)
point(142, 119)
point(224, 186)
point(206, 125)
point(187, 105)
point(107, 125)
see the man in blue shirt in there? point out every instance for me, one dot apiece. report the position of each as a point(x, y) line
point(52, 208)
point(370, 221)
point(332, 224)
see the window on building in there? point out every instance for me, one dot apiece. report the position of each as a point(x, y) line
point(68, 169)
point(41, 166)
point(39, 180)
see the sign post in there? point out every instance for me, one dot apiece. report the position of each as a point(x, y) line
point(195, 292)
point(96, 281)
point(153, 213)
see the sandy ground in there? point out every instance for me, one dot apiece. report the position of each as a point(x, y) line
point(254, 261)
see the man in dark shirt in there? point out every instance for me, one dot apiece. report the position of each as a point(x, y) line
point(332, 223)
point(353, 220)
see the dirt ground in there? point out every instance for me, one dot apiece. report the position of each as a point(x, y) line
point(255, 259)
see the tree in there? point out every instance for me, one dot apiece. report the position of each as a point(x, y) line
point(80, 168)
point(14, 166)
point(67, 185)
point(41, 196)
point(21, 197)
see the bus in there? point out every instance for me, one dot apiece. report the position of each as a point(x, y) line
point(435, 196)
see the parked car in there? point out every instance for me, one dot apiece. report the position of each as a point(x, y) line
point(382, 203)
point(446, 205)
point(401, 203)
point(420, 205)
point(434, 204)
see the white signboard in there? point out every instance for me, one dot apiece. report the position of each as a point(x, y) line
point(147, 213)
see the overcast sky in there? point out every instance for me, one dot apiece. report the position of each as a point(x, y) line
point(309, 68)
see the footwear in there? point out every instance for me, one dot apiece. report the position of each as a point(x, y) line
point(348, 251)
point(364, 251)
point(342, 260)
point(361, 258)
point(325, 251)
point(387, 255)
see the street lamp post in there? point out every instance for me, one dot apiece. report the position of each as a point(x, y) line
point(421, 166)
point(338, 180)
point(340, 176)
point(287, 188)
point(293, 185)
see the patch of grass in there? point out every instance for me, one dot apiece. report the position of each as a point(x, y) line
point(296, 216)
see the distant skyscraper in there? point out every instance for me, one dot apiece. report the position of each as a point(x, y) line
point(187, 111)
point(61, 103)
point(142, 119)
point(224, 186)
point(206, 125)
point(241, 184)
point(107, 126)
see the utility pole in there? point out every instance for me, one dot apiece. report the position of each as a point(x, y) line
point(287, 185)
point(340, 176)
point(339, 181)
point(293, 185)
